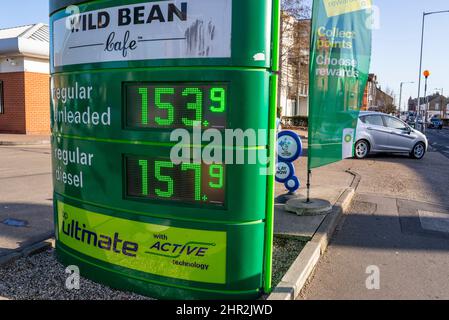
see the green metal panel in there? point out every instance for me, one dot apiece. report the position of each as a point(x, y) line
point(170, 242)
point(243, 260)
point(245, 187)
point(243, 84)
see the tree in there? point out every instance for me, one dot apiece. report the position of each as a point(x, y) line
point(298, 9)
point(388, 108)
point(386, 102)
point(294, 38)
point(390, 92)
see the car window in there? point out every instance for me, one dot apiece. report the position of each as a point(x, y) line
point(374, 120)
point(394, 123)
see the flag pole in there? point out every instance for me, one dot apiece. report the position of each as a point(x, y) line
point(309, 175)
point(309, 151)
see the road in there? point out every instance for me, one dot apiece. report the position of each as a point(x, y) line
point(25, 196)
point(439, 140)
point(394, 242)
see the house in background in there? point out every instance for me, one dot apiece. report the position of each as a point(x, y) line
point(294, 79)
point(438, 105)
point(374, 98)
point(370, 92)
point(24, 80)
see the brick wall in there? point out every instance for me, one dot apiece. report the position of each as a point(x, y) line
point(13, 118)
point(26, 103)
point(37, 103)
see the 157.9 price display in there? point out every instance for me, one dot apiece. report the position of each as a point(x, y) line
point(160, 179)
point(172, 106)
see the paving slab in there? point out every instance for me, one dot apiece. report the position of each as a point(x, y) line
point(289, 224)
point(23, 139)
point(26, 214)
point(22, 225)
point(434, 221)
point(304, 227)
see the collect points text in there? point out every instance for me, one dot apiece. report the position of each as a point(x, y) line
point(329, 42)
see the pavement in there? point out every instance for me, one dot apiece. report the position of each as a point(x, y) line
point(439, 140)
point(23, 140)
point(328, 183)
point(26, 216)
point(394, 241)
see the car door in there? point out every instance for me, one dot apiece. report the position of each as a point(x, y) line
point(400, 137)
point(377, 132)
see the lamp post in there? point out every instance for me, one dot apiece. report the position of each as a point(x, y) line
point(426, 74)
point(425, 14)
point(400, 94)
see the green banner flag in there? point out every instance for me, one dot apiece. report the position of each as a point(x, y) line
point(340, 60)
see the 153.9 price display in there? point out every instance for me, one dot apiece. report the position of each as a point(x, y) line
point(172, 106)
point(160, 179)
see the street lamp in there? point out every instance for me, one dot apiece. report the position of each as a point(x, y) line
point(426, 75)
point(425, 14)
point(400, 94)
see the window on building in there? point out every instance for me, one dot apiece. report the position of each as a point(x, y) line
point(2, 105)
point(303, 89)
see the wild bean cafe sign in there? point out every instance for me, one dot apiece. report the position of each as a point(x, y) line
point(152, 30)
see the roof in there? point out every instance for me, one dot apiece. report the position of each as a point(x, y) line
point(430, 99)
point(29, 40)
point(38, 31)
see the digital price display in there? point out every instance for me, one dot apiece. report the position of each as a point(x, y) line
point(173, 106)
point(160, 179)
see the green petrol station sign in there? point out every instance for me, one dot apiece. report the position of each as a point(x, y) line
point(125, 76)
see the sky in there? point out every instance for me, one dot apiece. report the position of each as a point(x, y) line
point(396, 44)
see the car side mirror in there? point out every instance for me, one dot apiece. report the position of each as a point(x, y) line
point(408, 130)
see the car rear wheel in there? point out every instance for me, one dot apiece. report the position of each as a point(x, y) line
point(362, 148)
point(419, 150)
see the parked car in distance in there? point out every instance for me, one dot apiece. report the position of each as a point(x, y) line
point(436, 123)
point(379, 132)
point(411, 122)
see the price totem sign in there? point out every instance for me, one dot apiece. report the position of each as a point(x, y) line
point(130, 79)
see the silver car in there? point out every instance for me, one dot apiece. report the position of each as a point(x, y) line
point(379, 132)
